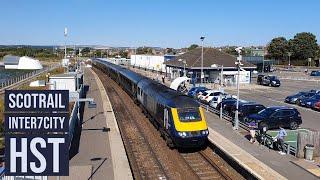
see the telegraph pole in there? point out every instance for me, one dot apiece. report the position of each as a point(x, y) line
point(202, 75)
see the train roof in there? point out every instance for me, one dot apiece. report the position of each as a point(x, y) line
point(132, 76)
point(166, 95)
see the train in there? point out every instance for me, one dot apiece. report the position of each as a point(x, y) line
point(179, 118)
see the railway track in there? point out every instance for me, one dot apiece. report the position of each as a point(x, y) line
point(147, 152)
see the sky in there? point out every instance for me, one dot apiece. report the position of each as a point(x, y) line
point(160, 23)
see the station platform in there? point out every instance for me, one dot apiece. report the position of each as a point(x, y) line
point(101, 153)
point(258, 160)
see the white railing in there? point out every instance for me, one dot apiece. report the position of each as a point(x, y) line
point(15, 80)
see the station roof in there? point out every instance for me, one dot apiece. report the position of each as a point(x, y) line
point(211, 56)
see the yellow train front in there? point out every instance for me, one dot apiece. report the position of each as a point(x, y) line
point(179, 118)
point(190, 127)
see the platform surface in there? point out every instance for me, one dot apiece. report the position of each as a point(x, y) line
point(225, 137)
point(101, 146)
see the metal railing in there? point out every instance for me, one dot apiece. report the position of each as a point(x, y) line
point(268, 139)
point(15, 80)
point(75, 117)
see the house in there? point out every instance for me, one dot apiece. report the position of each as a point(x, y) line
point(214, 63)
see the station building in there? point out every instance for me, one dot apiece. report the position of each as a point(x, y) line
point(151, 62)
point(215, 62)
point(24, 62)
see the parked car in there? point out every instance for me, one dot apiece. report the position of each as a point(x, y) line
point(268, 80)
point(227, 106)
point(315, 73)
point(217, 99)
point(310, 101)
point(225, 101)
point(247, 108)
point(273, 117)
point(201, 94)
point(295, 99)
point(194, 90)
point(317, 91)
point(316, 106)
point(212, 94)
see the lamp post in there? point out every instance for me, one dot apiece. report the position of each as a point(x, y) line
point(238, 64)
point(65, 42)
point(184, 66)
point(202, 75)
point(289, 54)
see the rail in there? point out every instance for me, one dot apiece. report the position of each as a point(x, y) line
point(15, 80)
point(268, 139)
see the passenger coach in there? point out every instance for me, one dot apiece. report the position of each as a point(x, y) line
point(179, 118)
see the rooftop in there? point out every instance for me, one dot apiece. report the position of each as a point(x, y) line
point(211, 56)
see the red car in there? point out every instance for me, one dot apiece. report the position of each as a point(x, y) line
point(317, 106)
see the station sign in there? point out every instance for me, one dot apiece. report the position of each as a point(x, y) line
point(36, 132)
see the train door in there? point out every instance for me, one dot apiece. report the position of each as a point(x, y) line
point(166, 118)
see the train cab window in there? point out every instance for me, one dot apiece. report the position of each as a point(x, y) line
point(189, 115)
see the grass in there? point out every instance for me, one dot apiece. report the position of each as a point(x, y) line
point(291, 138)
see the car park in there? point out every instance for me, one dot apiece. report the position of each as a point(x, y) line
point(309, 102)
point(268, 80)
point(246, 108)
point(273, 117)
point(315, 73)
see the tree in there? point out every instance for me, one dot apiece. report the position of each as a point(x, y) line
point(278, 48)
point(304, 45)
point(123, 54)
point(193, 46)
point(85, 50)
point(231, 50)
point(144, 50)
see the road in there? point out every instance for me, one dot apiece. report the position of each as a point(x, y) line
point(274, 96)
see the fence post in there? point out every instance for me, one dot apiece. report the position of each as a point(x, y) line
point(221, 110)
point(288, 148)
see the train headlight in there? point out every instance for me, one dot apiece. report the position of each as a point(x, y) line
point(182, 134)
point(205, 132)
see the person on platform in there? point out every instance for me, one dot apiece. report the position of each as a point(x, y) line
point(280, 139)
point(252, 125)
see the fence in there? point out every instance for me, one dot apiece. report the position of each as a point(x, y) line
point(289, 149)
point(76, 115)
point(8, 83)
